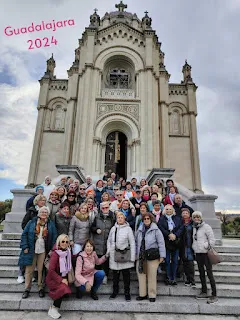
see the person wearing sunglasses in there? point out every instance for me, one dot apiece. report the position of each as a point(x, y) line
point(100, 229)
point(203, 239)
point(57, 277)
point(149, 239)
point(82, 194)
point(71, 200)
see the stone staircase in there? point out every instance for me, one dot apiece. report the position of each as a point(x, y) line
point(176, 300)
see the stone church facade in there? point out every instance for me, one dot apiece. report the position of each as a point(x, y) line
point(117, 110)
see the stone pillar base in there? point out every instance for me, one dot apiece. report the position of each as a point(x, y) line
point(159, 173)
point(13, 219)
point(205, 204)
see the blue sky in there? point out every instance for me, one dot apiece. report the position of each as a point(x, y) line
point(206, 33)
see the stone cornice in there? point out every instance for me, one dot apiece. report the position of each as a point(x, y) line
point(117, 25)
point(71, 99)
point(42, 106)
point(117, 100)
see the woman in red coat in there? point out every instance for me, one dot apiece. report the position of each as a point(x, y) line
point(169, 199)
point(57, 278)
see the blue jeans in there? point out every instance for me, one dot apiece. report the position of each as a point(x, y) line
point(171, 263)
point(98, 279)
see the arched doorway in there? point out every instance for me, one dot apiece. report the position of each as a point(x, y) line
point(116, 154)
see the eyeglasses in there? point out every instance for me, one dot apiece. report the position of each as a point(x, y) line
point(82, 189)
point(146, 219)
point(198, 217)
point(63, 241)
point(105, 207)
point(118, 195)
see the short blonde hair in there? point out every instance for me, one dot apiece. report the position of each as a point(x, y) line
point(39, 198)
point(169, 206)
point(119, 213)
point(60, 239)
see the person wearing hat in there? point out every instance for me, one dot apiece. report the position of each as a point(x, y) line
point(186, 251)
point(37, 240)
point(203, 238)
point(39, 190)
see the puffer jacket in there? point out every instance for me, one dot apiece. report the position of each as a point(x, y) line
point(153, 239)
point(79, 230)
point(105, 223)
point(124, 238)
point(203, 236)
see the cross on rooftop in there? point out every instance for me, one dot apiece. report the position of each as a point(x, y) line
point(95, 10)
point(121, 6)
point(146, 12)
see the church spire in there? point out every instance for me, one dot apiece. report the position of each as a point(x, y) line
point(121, 6)
point(94, 19)
point(50, 68)
point(147, 21)
point(186, 70)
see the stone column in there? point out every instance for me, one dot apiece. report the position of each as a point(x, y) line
point(32, 177)
point(205, 204)
point(164, 141)
point(70, 118)
point(195, 154)
point(103, 151)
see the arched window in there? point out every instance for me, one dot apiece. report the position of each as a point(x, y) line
point(58, 121)
point(176, 122)
point(119, 74)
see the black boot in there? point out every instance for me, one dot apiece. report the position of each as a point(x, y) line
point(94, 295)
point(25, 294)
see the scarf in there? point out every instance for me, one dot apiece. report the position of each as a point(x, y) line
point(54, 202)
point(142, 256)
point(145, 198)
point(100, 189)
point(65, 262)
point(38, 228)
point(82, 216)
point(171, 196)
point(171, 224)
point(62, 213)
point(125, 212)
point(157, 214)
point(187, 221)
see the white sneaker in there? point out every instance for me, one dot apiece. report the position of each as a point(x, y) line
point(20, 279)
point(105, 279)
point(53, 312)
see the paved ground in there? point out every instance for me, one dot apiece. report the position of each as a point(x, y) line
point(23, 315)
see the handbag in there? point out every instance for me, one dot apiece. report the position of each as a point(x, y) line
point(71, 276)
point(213, 256)
point(47, 260)
point(121, 255)
point(152, 254)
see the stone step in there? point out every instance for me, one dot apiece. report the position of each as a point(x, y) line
point(4, 251)
point(11, 236)
point(230, 257)
point(10, 243)
point(176, 305)
point(220, 277)
point(228, 249)
point(223, 290)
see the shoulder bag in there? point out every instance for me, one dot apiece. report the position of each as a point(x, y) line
point(122, 255)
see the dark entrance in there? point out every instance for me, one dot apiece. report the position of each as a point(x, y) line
point(116, 154)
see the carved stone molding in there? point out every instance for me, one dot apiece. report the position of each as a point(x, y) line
point(112, 108)
point(96, 140)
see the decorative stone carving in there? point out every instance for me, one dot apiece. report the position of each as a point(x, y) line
point(118, 93)
point(110, 108)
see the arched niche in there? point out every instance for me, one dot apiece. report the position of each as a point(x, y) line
point(178, 119)
point(55, 115)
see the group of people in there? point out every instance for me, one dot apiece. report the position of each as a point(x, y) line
point(76, 233)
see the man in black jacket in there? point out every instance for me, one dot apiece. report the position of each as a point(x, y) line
point(179, 204)
point(136, 201)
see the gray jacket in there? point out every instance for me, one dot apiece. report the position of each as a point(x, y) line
point(153, 239)
point(53, 209)
point(202, 238)
point(79, 231)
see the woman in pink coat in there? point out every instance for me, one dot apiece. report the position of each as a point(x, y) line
point(87, 277)
point(57, 277)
